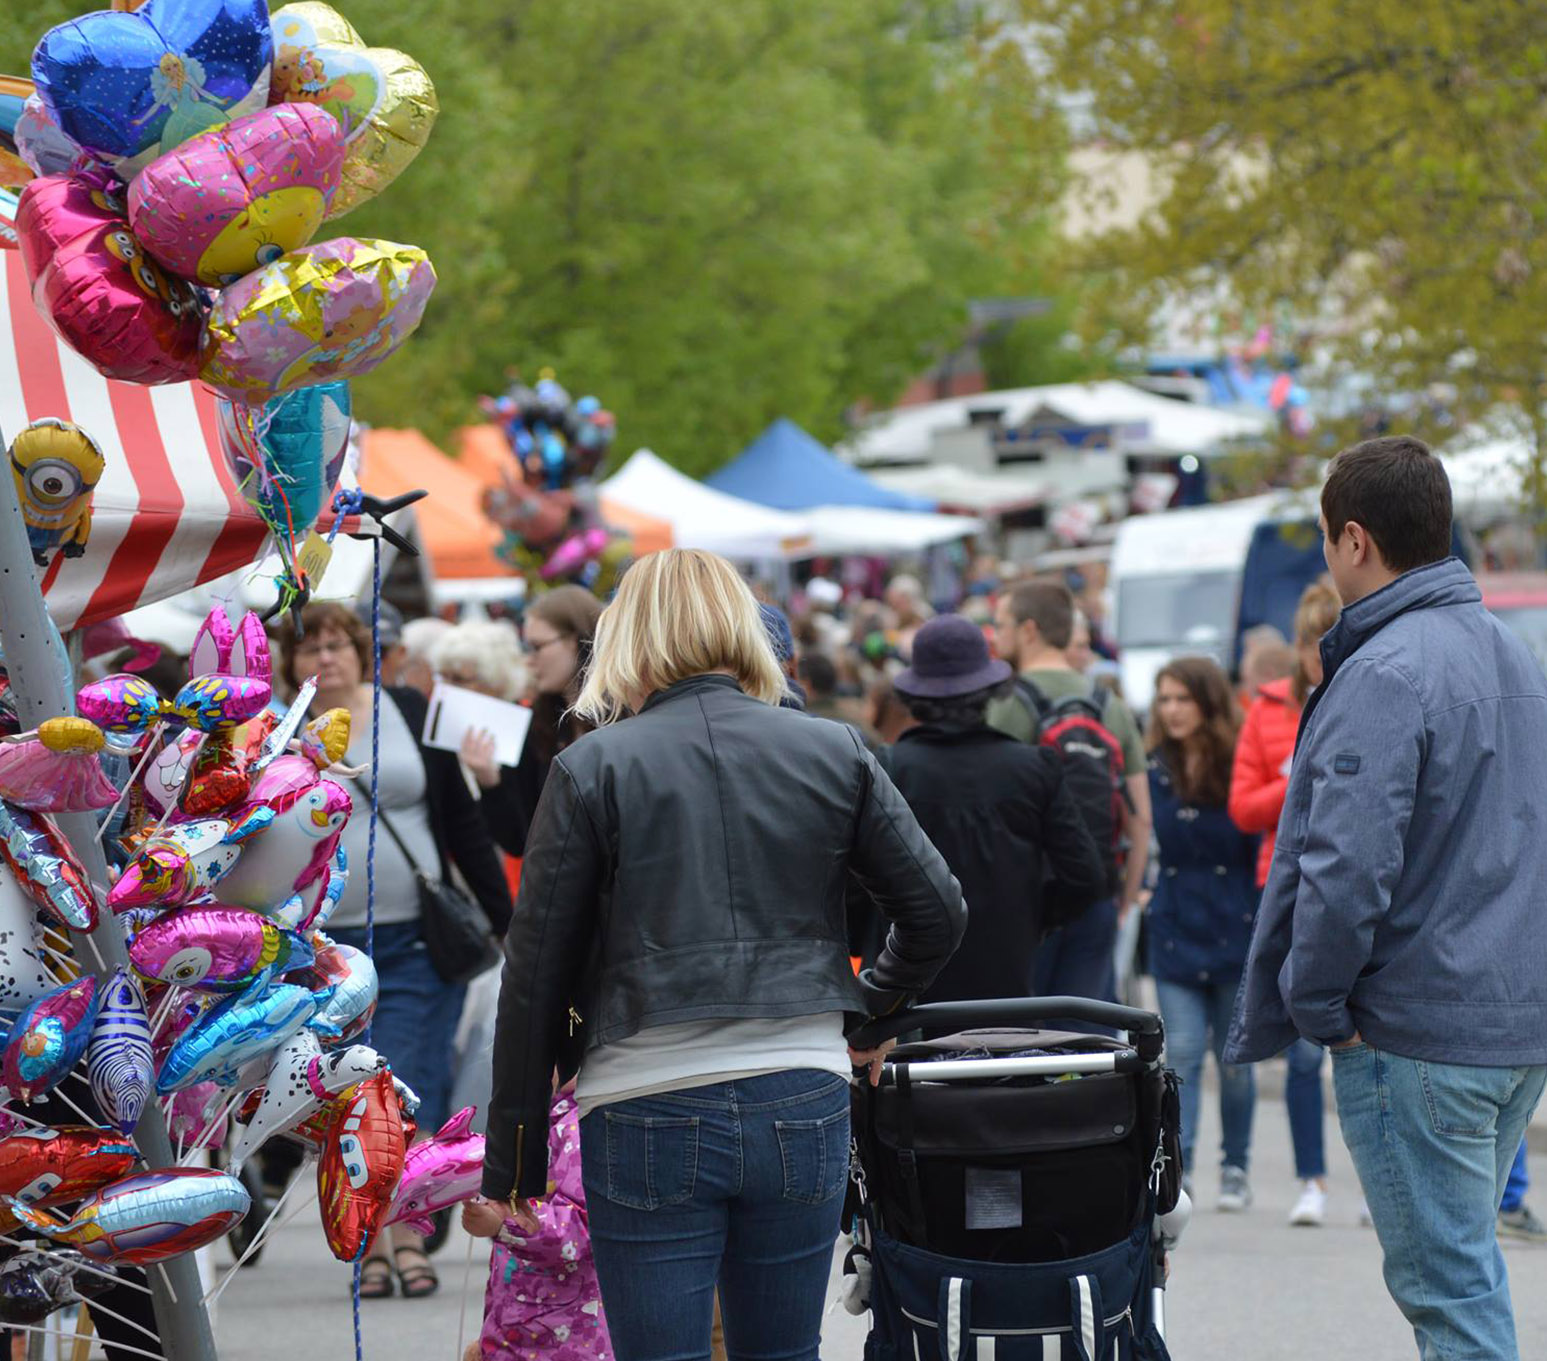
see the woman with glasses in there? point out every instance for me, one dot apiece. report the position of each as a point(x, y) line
point(423, 795)
point(559, 628)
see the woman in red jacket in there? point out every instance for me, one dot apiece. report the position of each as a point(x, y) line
point(1257, 789)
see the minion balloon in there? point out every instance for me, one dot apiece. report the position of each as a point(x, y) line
point(57, 466)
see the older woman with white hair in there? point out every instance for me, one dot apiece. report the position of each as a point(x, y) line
point(680, 937)
point(483, 655)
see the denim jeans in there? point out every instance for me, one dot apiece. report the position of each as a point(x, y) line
point(416, 1015)
point(1433, 1144)
point(1197, 1018)
point(1307, 1109)
point(739, 1185)
point(1078, 961)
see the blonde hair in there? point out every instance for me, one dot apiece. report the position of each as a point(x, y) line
point(1318, 611)
point(678, 613)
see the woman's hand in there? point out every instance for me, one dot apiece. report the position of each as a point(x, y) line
point(482, 1218)
point(478, 756)
point(872, 1059)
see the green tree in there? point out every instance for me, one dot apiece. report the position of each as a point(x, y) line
point(707, 214)
point(1375, 168)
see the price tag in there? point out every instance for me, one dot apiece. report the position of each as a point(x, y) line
point(315, 555)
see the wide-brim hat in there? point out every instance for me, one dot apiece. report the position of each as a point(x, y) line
point(950, 658)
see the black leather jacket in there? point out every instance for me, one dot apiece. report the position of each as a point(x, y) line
point(690, 864)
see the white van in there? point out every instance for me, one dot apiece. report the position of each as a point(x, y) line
point(1176, 586)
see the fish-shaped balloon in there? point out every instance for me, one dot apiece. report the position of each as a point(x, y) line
point(40, 857)
point(149, 1217)
point(48, 1039)
point(45, 1167)
point(348, 979)
point(300, 1081)
point(438, 1172)
point(179, 864)
point(119, 1062)
point(361, 1164)
point(217, 949)
point(235, 1033)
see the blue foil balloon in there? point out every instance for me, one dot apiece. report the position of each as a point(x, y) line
point(234, 1034)
point(287, 454)
point(133, 86)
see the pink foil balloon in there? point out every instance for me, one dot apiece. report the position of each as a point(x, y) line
point(106, 298)
point(237, 198)
point(439, 1172)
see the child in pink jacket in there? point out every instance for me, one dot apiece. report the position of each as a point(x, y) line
point(543, 1298)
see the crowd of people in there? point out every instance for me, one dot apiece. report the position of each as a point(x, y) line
point(696, 904)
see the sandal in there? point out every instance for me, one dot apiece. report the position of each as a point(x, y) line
point(376, 1281)
point(418, 1279)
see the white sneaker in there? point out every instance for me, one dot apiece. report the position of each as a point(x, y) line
point(1235, 1191)
point(1310, 1210)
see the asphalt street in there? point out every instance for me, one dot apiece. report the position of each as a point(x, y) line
point(1242, 1285)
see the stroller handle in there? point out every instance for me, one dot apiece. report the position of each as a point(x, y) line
point(943, 1017)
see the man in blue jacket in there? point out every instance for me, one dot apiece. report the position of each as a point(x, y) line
point(1404, 922)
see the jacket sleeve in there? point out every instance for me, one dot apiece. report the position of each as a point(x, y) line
point(1363, 762)
point(1257, 788)
point(545, 952)
point(1078, 869)
point(506, 814)
point(912, 888)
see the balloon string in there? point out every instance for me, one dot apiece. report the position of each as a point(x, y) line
point(59, 1093)
point(206, 1135)
point(59, 1336)
point(80, 1266)
point(97, 1308)
point(150, 748)
point(467, 1289)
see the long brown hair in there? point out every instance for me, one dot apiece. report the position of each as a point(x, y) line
point(1205, 782)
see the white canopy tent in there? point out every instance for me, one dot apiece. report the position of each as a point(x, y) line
point(963, 489)
point(1160, 425)
point(701, 517)
point(870, 529)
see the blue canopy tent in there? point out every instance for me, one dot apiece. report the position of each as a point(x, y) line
point(787, 469)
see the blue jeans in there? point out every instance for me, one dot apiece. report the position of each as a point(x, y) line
point(1433, 1144)
point(739, 1185)
point(1197, 1018)
point(1077, 961)
point(1307, 1109)
point(416, 1015)
point(1517, 1184)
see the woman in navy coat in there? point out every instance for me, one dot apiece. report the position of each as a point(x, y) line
point(1200, 918)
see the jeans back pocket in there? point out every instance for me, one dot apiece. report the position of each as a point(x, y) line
point(1464, 1101)
point(652, 1161)
point(816, 1157)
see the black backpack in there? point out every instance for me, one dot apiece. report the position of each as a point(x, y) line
point(1092, 756)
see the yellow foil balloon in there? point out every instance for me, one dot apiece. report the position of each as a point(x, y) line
point(383, 97)
point(70, 735)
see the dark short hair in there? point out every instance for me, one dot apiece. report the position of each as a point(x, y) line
point(1398, 491)
point(316, 617)
point(1047, 604)
point(960, 710)
point(819, 673)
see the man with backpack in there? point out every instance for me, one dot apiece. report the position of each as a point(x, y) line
point(1105, 767)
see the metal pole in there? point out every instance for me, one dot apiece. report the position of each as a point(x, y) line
point(37, 671)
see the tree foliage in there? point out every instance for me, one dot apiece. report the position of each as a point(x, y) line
point(707, 214)
point(1376, 167)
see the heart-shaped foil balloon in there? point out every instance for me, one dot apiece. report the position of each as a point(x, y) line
point(383, 98)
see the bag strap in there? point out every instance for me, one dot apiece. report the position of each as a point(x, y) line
point(954, 1314)
point(385, 821)
point(1085, 1313)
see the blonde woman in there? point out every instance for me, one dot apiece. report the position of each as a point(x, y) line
point(681, 921)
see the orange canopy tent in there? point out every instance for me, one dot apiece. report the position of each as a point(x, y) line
point(458, 537)
point(485, 453)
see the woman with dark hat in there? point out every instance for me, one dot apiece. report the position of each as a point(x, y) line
point(997, 809)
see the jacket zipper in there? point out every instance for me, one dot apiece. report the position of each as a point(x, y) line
point(575, 1018)
point(520, 1146)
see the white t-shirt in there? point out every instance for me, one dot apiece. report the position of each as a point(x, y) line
point(669, 1058)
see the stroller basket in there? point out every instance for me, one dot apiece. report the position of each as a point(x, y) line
point(1007, 1183)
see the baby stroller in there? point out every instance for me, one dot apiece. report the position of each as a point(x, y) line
point(1015, 1190)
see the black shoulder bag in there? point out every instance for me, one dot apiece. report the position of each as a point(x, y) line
point(456, 931)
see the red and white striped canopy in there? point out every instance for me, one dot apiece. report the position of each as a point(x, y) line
point(167, 513)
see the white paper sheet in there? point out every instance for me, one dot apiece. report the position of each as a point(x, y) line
point(454, 712)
